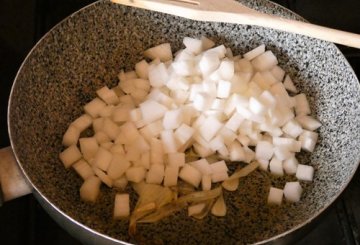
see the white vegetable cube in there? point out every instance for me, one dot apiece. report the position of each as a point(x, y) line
point(158, 75)
point(101, 137)
point(275, 196)
point(71, 136)
point(265, 61)
point(227, 135)
point(289, 85)
point(209, 128)
point(90, 189)
point(120, 183)
point(226, 69)
point(98, 124)
point(82, 122)
point(103, 177)
point(278, 73)
point(202, 101)
point(255, 52)
point(219, 51)
point(135, 174)
point(256, 106)
point(155, 175)
point(260, 80)
point(237, 153)
point(304, 172)
point(308, 140)
point(176, 159)
point(193, 45)
point(107, 111)
point(161, 52)
point(152, 111)
point(282, 152)
point(88, 147)
point(70, 155)
point(107, 95)
point(219, 166)
point(207, 43)
point(202, 166)
point(190, 175)
point(216, 143)
point(132, 153)
point(223, 89)
point(243, 139)
point(83, 169)
point(292, 191)
point(308, 122)
point(209, 62)
point(249, 154)
point(202, 151)
point(168, 141)
point(276, 167)
point(129, 132)
point(142, 69)
point(292, 128)
point(110, 128)
point(121, 206)
point(264, 150)
point(290, 165)
point(118, 166)
point(182, 68)
point(270, 78)
point(206, 182)
point(267, 99)
point(263, 164)
point(172, 119)
point(102, 159)
point(219, 177)
point(120, 114)
point(156, 151)
point(302, 106)
point(94, 107)
point(171, 175)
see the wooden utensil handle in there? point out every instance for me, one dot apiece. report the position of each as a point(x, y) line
point(12, 182)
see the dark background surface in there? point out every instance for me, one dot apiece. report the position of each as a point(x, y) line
point(22, 23)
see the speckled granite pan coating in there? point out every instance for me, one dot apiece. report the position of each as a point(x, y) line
point(87, 50)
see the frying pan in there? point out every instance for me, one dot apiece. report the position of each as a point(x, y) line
point(89, 48)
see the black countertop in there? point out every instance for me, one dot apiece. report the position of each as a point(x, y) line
point(22, 23)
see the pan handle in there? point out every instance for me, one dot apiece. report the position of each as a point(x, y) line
point(12, 181)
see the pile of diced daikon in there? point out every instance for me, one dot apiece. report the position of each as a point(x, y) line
point(241, 108)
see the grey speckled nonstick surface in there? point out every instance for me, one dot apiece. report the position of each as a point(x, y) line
point(87, 50)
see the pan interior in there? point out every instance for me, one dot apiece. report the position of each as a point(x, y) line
point(88, 49)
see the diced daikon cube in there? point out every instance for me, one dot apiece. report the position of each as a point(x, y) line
point(263, 164)
point(256, 106)
point(127, 100)
point(190, 175)
point(176, 159)
point(171, 175)
point(120, 183)
point(244, 66)
point(223, 89)
point(282, 152)
point(90, 189)
point(182, 68)
point(124, 76)
point(290, 165)
point(208, 63)
point(168, 141)
point(276, 167)
point(71, 136)
point(98, 124)
point(172, 119)
point(118, 166)
point(156, 151)
point(121, 114)
point(82, 122)
point(216, 143)
point(261, 81)
point(210, 127)
point(101, 137)
point(265, 61)
point(278, 73)
point(308, 122)
point(219, 166)
point(219, 177)
point(302, 106)
point(255, 52)
point(196, 209)
point(292, 191)
point(202, 165)
point(152, 111)
point(132, 153)
point(292, 128)
point(237, 153)
point(308, 140)
point(202, 151)
point(107, 95)
point(70, 155)
point(289, 85)
point(264, 150)
point(129, 132)
point(102, 159)
point(161, 52)
point(127, 86)
point(193, 45)
point(206, 182)
point(135, 174)
point(121, 206)
point(83, 169)
point(219, 51)
point(207, 43)
point(239, 82)
point(304, 172)
point(94, 107)
point(267, 99)
point(142, 69)
point(145, 160)
point(226, 69)
point(155, 175)
point(269, 77)
point(158, 75)
point(275, 196)
point(103, 177)
point(202, 101)
point(107, 145)
point(88, 147)
point(110, 128)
